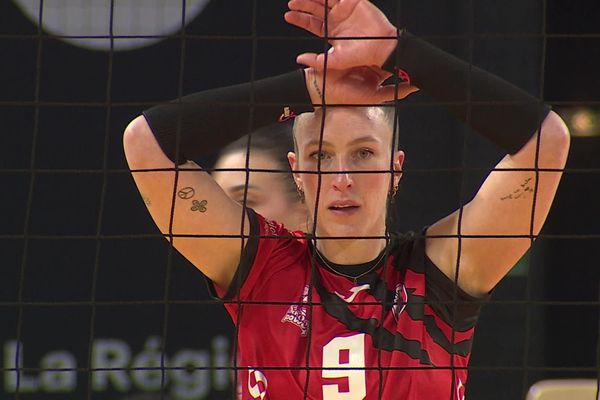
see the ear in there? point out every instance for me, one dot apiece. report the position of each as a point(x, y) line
point(398, 163)
point(291, 156)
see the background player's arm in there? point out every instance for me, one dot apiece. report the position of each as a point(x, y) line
point(504, 205)
point(213, 214)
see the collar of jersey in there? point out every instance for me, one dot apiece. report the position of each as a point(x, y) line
point(352, 270)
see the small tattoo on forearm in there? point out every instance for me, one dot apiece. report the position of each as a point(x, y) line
point(316, 85)
point(199, 205)
point(146, 199)
point(521, 192)
point(186, 193)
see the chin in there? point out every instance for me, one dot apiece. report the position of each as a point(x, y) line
point(350, 227)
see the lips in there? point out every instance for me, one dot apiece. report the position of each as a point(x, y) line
point(343, 207)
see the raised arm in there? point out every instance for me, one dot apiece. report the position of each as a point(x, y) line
point(509, 203)
point(187, 201)
point(503, 206)
point(506, 115)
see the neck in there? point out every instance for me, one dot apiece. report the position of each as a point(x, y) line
point(351, 251)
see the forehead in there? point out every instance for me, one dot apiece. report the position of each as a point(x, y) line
point(237, 160)
point(343, 124)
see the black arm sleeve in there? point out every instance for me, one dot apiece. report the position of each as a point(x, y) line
point(500, 111)
point(204, 122)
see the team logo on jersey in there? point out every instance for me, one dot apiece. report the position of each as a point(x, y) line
point(297, 314)
point(355, 290)
point(257, 384)
point(400, 300)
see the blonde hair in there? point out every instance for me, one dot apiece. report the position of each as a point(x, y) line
point(310, 120)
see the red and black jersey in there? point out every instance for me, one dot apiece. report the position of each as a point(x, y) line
point(401, 331)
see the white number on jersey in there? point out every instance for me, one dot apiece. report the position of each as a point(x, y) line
point(353, 367)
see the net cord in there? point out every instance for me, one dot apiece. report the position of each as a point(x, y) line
point(171, 237)
point(389, 204)
point(36, 128)
point(247, 170)
point(156, 235)
point(98, 249)
point(300, 38)
point(528, 287)
point(129, 104)
point(462, 190)
point(313, 259)
point(587, 370)
point(111, 303)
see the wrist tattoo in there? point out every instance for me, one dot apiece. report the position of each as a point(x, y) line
point(521, 191)
point(316, 85)
point(146, 200)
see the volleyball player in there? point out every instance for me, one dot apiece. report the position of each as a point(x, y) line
point(271, 194)
point(375, 314)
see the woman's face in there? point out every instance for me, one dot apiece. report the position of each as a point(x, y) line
point(268, 193)
point(350, 203)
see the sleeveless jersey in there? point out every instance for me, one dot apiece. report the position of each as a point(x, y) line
point(402, 331)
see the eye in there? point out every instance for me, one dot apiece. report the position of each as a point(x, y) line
point(249, 202)
point(364, 154)
point(319, 155)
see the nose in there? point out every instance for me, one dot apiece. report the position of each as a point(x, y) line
point(342, 179)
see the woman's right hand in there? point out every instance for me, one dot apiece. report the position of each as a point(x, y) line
point(357, 86)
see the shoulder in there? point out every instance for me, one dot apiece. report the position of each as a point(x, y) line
point(272, 242)
point(280, 237)
point(270, 250)
point(407, 250)
point(422, 277)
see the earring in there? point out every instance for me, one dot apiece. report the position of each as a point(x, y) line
point(393, 193)
point(300, 194)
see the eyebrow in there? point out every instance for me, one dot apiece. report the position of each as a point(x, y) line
point(362, 139)
point(238, 188)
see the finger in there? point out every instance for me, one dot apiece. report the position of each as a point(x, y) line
point(389, 93)
point(308, 59)
point(305, 21)
point(308, 6)
point(317, 61)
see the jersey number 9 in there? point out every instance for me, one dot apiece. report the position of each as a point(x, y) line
point(344, 357)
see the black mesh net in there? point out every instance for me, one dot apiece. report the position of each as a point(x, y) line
point(96, 304)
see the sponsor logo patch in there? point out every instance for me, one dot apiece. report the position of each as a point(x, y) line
point(297, 314)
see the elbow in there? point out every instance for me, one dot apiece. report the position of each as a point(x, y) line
point(554, 142)
point(135, 133)
point(555, 130)
point(137, 138)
